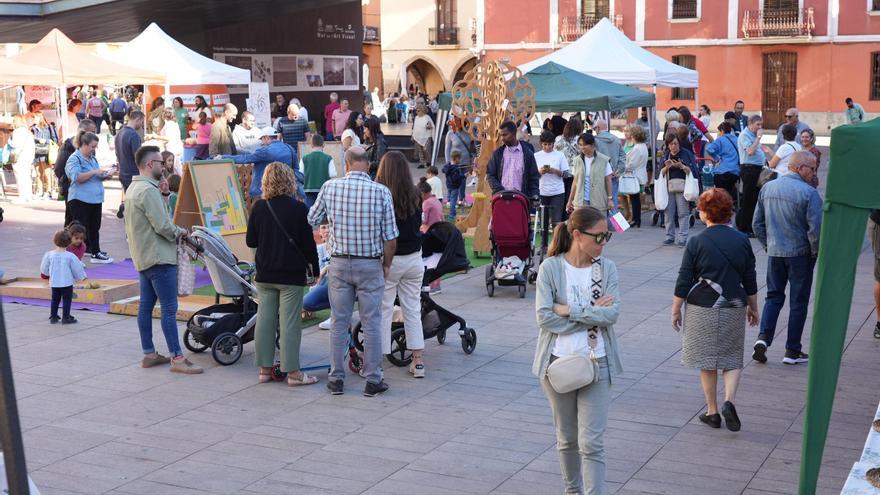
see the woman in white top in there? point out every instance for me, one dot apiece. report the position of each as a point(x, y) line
point(552, 165)
point(351, 136)
point(25, 149)
point(779, 162)
point(423, 135)
point(637, 166)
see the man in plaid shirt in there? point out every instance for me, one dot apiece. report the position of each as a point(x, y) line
point(363, 238)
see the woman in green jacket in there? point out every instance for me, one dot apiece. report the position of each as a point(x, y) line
point(591, 185)
point(577, 304)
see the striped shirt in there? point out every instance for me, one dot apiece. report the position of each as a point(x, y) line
point(360, 213)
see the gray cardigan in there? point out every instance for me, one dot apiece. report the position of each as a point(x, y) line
point(551, 289)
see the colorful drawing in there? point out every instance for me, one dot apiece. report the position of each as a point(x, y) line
point(224, 213)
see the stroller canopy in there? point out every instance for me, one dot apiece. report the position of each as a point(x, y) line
point(444, 238)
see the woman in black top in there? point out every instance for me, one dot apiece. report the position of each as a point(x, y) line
point(285, 245)
point(678, 163)
point(405, 277)
point(374, 140)
point(717, 279)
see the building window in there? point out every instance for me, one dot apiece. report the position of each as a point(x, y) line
point(596, 8)
point(684, 9)
point(874, 5)
point(875, 76)
point(688, 62)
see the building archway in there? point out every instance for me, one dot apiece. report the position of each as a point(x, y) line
point(424, 74)
point(463, 69)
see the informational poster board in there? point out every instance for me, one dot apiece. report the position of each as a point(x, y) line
point(332, 148)
point(211, 196)
point(258, 103)
point(47, 96)
point(296, 72)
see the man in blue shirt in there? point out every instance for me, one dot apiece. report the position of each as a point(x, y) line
point(126, 144)
point(294, 127)
point(724, 150)
point(787, 223)
point(752, 160)
point(271, 150)
point(118, 108)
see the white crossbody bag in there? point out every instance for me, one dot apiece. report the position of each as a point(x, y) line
point(568, 373)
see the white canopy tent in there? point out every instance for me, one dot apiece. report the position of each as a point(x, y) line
point(605, 52)
point(181, 66)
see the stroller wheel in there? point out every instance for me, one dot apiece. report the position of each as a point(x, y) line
point(277, 374)
point(190, 342)
point(441, 337)
point(490, 289)
point(400, 355)
point(355, 363)
point(227, 348)
point(522, 291)
point(357, 337)
point(469, 341)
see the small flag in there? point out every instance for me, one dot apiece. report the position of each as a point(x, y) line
point(619, 222)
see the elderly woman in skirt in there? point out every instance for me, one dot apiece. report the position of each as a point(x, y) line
point(717, 280)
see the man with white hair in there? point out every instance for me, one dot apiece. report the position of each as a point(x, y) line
point(246, 135)
point(792, 117)
point(609, 145)
point(787, 223)
point(303, 112)
point(221, 135)
point(293, 127)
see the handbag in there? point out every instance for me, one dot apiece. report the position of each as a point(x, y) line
point(767, 174)
point(629, 184)
point(568, 373)
point(675, 186)
point(691, 188)
point(186, 273)
point(310, 274)
point(661, 195)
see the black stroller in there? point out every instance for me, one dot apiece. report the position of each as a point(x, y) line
point(443, 238)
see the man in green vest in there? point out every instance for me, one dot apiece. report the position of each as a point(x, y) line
point(317, 167)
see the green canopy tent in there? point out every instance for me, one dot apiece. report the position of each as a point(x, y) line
point(560, 89)
point(852, 189)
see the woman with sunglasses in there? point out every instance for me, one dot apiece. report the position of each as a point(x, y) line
point(577, 304)
point(717, 279)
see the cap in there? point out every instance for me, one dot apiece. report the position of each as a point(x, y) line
point(268, 131)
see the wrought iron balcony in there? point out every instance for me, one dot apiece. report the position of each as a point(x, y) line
point(443, 36)
point(572, 27)
point(371, 34)
point(783, 23)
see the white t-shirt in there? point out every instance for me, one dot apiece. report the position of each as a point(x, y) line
point(784, 153)
point(579, 281)
point(551, 184)
point(588, 164)
point(355, 140)
point(436, 187)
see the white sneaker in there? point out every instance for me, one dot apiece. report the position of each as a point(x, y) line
point(326, 324)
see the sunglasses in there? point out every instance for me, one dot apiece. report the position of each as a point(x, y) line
point(790, 116)
point(599, 238)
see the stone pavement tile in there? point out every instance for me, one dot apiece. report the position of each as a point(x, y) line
point(137, 453)
point(363, 460)
point(37, 457)
point(531, 482)
point(505, 440)
point(248, 459)
point(433, 481)
point(466, 450)
point(205, 476)
point(707, 481)
point(176, 429)
point(136, 412)
point(62, 440)
point(294, 446)
point(44, 490)
point(144, 487)
point(141, 440)
point(482, 469)
point(272, 487)
point(74, 483)
point(313, 479)
point(397, 487)
point(105, 466)
point(313, 432)
point(667, 488)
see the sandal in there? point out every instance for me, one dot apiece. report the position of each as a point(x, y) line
point(304, 380)
point(265, 376)
point(307, 315)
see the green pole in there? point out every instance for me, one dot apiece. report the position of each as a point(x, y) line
point(843, 230)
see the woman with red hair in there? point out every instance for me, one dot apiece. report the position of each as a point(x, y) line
point(717, 280)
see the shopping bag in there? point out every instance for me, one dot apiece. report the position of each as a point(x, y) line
point(691, 188)
point(661, 196)
point(186, 273)
point(629, 185)
point(618, 221)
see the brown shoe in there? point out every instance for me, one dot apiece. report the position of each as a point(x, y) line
point(185, 367)
point(149, 362)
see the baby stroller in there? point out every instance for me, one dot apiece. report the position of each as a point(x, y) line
point(511, 235)
point(225, 328)
point(442, 238)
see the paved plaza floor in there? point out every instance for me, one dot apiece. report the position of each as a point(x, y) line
point(94, 422)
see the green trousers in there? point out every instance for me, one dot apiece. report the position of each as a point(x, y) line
point(279, 304)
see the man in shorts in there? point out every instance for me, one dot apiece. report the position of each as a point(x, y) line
point(874, 234)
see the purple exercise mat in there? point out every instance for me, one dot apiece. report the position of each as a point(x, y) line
point(124, 270)
point(101, 308)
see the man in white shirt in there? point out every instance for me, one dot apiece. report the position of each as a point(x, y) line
point(246, 135)
point(552, 166)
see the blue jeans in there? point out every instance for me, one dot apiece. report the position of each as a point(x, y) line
point(797, 272)
point(159, 281)
point(454, 196)
point(310, 198)
point(318, 297)
point(364, 279)
point(615, 188)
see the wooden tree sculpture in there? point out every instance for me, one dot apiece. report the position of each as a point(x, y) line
point(489, 94)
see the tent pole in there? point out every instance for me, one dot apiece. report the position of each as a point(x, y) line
point(62, 113)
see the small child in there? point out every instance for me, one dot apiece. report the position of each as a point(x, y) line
point(174, 187)
point(436, 184)
point(168, 168)
point(203, 136)
point(63, 270)
point(432, 212)
point(77, 239)
point(455, 177)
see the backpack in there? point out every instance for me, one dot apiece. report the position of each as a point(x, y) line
point(454, 175)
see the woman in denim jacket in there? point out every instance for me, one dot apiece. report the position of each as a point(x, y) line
point(577, 291)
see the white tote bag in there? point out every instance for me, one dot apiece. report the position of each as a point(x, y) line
point(186, 273)
point(661, 196)
point(691, 188)
point(629, 184)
